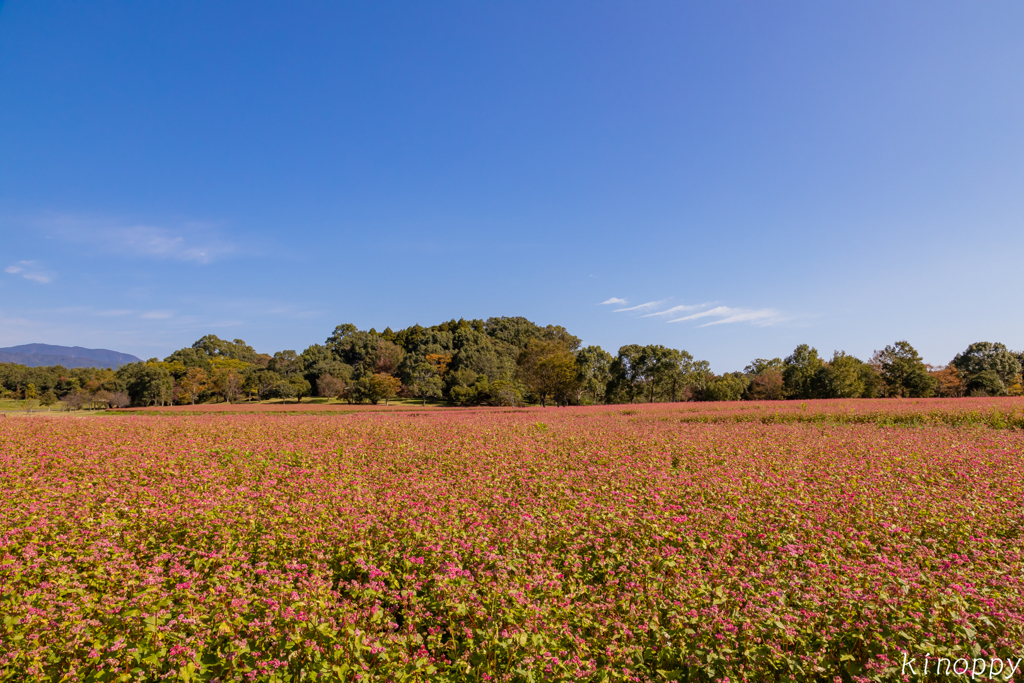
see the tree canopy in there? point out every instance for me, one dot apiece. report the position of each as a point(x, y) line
point(504, 361)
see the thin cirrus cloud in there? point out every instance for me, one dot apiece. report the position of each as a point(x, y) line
point(157, 315)
point(146, 240)
point(613, 300)
point(192, 242)
point(726, 315)
point(674, 310)
point(640, 307)
point(719, 315)
point(30, 271)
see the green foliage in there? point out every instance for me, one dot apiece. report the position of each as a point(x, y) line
point(191, 358)
point(800, 370)
point(425, 382)
point(147, 384)
point(504, 392)
point(903, 372)
point(986, 383)
point(376, 387)
point(515, 331)
point(729, 387)
point(655, 373)
point(759, 366)
point(841, 377)
point(511, 360)
point(548, 368)
point(987, 368)
point(300, 386)
point(285, 363)
point(215, 347)
point(593, 370)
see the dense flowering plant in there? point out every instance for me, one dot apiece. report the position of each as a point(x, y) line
point(601, 544)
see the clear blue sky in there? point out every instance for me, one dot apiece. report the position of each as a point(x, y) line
point(842, 174)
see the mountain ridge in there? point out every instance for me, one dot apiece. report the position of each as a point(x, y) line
point(39, 355)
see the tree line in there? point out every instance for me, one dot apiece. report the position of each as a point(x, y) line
point(507, 361)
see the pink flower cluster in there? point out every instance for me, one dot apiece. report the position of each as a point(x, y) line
point(617, 544)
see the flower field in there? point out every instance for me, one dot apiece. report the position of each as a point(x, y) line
point(619, 543)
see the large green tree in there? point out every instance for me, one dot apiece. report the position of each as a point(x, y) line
point(629, 370)
point(987, 367)
point(548, 368)
point(729, 387)
point(426, 382)
point(147, 384)
point(903, 371)
point(841, 377)
point(593, 366)
point(800, 370)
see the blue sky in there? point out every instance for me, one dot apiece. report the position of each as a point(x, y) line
point(745, 177)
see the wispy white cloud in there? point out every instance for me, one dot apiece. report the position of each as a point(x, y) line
point(157, 315)
point(30, 270)
point(726, 315)
point(190, 242)
point(719, 315)
point(613, 300)
point(675, 309)
point(641, 307)
point(761, 317)
point(114, 313)
point(147, 240)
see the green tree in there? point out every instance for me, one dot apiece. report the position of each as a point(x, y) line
point(729, 387)
point(300, 387)
point(215, 347)
point(593, 366)
point(228, 383)
point(263, 383)
point(987, 368)
point(426, 383)
point(516, 332)
point(285, 363)
point(676, 374)
point(383, 357)
point(799, 371)
point(903, 371)
point(147, 384)
point(378, 387)
point(190, 358)
point(629, 370)
point(504, 392)
point(548, 368)
point(283, 390)
point(194, 383)
point(761, 365)
point(841, 377)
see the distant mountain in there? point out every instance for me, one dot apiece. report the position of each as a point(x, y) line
point(37, 355)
